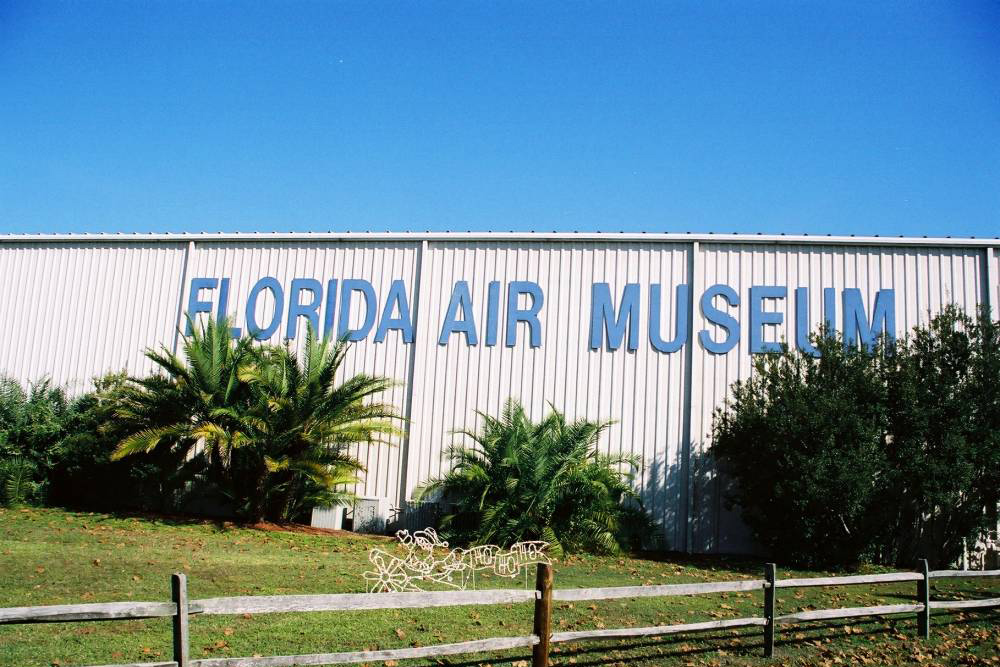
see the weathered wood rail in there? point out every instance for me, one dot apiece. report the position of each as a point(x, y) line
point(180, 609)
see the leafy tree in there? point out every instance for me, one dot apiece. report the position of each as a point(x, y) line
point(523, 480)
point(803, 439)
point(942, 484)
point(881, 455)
point(299, 424)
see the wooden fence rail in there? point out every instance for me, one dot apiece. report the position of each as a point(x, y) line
point(180, 609)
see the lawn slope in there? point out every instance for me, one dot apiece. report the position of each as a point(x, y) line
point(56, 557)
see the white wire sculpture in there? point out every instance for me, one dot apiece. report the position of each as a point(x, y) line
point(455, 569)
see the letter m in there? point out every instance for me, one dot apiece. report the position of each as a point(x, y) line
point(856, 323)
point(603, 318)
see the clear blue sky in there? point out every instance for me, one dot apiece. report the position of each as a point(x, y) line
point(842, 117)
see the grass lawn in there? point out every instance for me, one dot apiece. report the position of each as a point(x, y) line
point(56, 557)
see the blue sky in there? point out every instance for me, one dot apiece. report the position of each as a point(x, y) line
point(841, 118)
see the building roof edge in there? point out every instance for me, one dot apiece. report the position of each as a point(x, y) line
point(607, 237)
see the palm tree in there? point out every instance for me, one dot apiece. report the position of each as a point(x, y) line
point(187, 413)
point(527, 481)
point(300, 425)
point(271, 430)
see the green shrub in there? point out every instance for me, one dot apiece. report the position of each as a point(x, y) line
point(32, 426)
point(803, 440)
point(17, 483)
point(85, 476)
point(185, 417)
point(881, 455)
point(298, 424)
point(523, 480)
point(943, 482)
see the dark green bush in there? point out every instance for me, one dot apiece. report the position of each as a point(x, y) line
point(943, 482)
point(881, 455)
point(32, 426)
point(85, 476)
point(58, 451)
point(804, 441)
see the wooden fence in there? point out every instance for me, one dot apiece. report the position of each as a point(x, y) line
point(180, 608)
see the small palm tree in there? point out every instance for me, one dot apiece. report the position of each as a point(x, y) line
point(300, 424)
point(527, 481)
point(16, 481)
point(192, 406)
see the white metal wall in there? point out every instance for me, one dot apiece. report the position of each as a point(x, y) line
point(643, 391)
point(75, 309)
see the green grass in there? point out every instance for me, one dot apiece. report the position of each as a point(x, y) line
point(56, 557)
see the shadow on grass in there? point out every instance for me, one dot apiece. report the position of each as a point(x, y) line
point(220, 523)
point(741, 564)
point(749, 643)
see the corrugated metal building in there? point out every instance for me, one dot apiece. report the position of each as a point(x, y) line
point(645, 329)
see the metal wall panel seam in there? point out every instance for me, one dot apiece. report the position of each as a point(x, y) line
point(37, 347)
point(411, 463)
point(15, 320)
point(695, 280)
point(990, 280)
point(404, 456)
point(188, 252)
point(995, 294)
point(54, 354)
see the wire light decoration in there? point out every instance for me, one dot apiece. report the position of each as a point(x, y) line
point(456, 569)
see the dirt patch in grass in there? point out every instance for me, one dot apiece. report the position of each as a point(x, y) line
point(301, 528)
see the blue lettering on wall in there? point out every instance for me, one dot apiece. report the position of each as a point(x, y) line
point(223, 311)
point(195, 304)
point(716, 316)
point(681, 306)
point(830, 309)
point(347, 290)
point(610, 326)
point(492, 309)
point(395, 301)
point(856, 324)
point(308, 310)
point(604, 322)
point(331, 307)
point(527, 315)
point(759, 318)
point(255, 330)
point(803, 323)
point(460, 300)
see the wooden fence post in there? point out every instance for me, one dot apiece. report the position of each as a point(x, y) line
point(924, 598)
point(770, 574)
point(179, 595)
point(543, 615)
